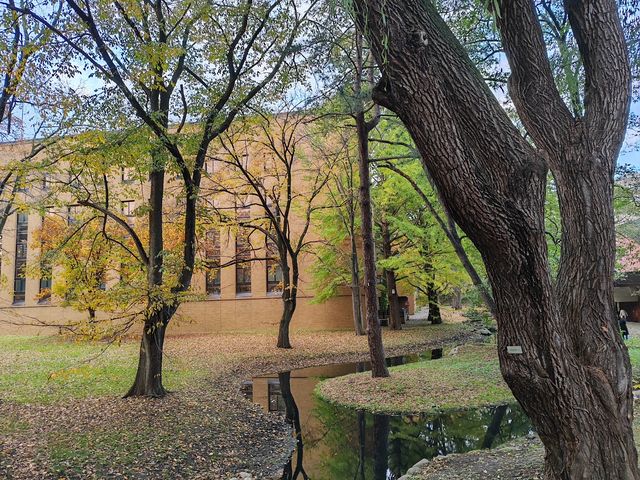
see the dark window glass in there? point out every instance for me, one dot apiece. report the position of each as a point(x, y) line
point(243, 265)
point(276, 402)
point(212, 258)
point(44, 292)
point(274, 271)
point(19, 283)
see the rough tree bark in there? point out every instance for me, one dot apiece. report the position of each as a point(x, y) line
point(573, 377)
point(395, 317)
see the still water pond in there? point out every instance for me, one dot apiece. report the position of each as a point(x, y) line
point(335, 443)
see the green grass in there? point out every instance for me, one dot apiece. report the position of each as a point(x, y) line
point(468, 379)
point(633, 345)
point(50, 369)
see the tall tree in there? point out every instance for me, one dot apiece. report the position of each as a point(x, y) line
point(267, 166)
point(169, 63)
point(363, 128)
point(574, 383)
point(338, 265)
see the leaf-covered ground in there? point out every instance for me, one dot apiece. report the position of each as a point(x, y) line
point(465, 378)
point(62, 417)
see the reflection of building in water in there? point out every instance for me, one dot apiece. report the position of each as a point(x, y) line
point(341, 443)
point(267, 392)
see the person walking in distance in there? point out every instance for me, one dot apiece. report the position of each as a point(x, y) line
point(622, 321)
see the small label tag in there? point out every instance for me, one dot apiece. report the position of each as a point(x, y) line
point(514, 349)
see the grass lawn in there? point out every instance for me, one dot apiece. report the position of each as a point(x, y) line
point(469, 379)
point(50, 369)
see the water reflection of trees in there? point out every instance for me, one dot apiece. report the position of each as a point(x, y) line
point(378, 447)
point(292, 471)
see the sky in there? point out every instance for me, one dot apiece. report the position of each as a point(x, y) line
point(631, 149)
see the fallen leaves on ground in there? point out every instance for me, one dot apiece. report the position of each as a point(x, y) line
point(205, 430)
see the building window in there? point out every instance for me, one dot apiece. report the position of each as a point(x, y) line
point(44, 292)
point(212, 259)
point(46, 182)
point(274, 270)
point(126, 175)
point(243, 265)
point(128, 210)
point(243, 210)
point(276, 402)
point(19, 279)
point(72, 214)
point(209, 165)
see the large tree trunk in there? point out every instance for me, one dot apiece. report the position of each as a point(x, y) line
point(395, 317)
point(380, 446)
point(148, 381)
point(573, 377)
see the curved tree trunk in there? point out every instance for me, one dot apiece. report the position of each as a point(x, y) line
point(289, 301)
point(293, 417)
point(573, 377)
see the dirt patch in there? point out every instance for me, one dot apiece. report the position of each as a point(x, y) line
point(519, 460)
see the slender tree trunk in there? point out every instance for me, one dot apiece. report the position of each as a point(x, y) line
point(456, 300)
point(293, 417)
point(289, 300)
point(356, 296)
point(361, 419)
point(374, 331)
point(395, 317)
point(451, 231)
point(482, 287)
point(573, 375)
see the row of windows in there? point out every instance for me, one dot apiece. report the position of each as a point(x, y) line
point(243, 265)
point(243, 252)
